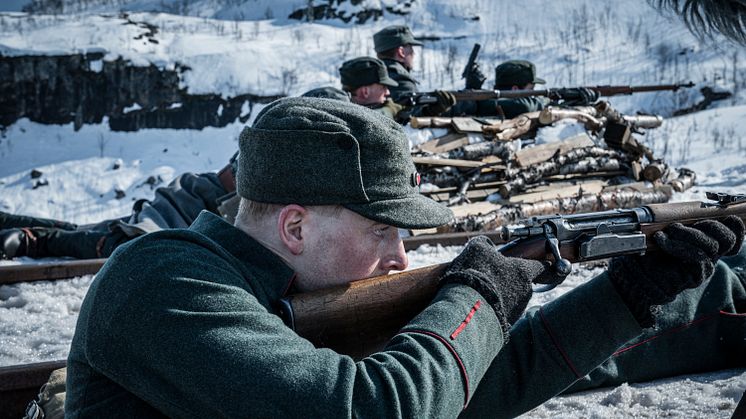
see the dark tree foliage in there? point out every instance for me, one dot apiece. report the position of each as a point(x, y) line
point(707, 17)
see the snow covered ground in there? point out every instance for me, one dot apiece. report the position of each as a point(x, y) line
point(573, 43)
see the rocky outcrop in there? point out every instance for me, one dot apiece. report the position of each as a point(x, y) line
point(355, 11)
point(85, 89)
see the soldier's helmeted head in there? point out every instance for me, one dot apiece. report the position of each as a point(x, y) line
point(516, 74)
point(351, 156)
point(366, 79)
point(363, 71)
point(393, 36)
point(396, 42)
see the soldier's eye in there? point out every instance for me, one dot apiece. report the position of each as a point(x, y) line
point(381, 231)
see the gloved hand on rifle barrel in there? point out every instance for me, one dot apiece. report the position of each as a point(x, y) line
point(445, 101)
point(504, 282)
point(474, 77)
point(578, 96)
point(686, 257)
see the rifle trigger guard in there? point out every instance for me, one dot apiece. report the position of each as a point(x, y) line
point(562, 267)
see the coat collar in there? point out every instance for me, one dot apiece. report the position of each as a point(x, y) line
point(266, 274)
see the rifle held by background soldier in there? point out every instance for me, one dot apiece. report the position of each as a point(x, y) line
point(359, 317)
point(562, 93)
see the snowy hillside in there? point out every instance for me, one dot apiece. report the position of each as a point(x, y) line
point(572, 43)
point(250, 46)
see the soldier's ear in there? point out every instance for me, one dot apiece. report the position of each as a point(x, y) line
point(364, 92)
point(290, 227)
point(400, 52)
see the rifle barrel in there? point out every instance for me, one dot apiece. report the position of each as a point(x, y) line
point(554, 93)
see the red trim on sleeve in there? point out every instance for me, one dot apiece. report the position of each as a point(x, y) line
point(466, 320)
point(557, 345)
point(455, 355)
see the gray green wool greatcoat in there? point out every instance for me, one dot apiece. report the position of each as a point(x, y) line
point(183, 323)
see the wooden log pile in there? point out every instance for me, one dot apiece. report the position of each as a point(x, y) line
point(491, 172)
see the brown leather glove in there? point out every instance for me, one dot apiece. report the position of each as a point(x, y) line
point(686, 258)
point(504, 282)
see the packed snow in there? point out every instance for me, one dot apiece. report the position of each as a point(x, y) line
point(573, 43)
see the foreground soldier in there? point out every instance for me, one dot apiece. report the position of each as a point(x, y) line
point(184, 323)
point(368, 83)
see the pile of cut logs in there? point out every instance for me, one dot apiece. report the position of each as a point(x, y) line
point(491, 172)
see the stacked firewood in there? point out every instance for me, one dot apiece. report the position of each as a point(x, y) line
point(491, 172)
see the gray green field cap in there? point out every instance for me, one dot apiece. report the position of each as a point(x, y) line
point(516, 73)
point(363, 71)
point(313, 151)
point(393, 36)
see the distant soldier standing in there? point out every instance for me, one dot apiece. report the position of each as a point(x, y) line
point(395, 46)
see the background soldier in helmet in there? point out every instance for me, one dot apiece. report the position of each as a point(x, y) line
point(394, 45)
point(368, 83)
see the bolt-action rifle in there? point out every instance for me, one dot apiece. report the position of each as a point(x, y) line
point(426, 98)
point(359, 317)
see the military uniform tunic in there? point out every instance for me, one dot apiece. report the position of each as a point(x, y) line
point(407, 83)
point(184, 323)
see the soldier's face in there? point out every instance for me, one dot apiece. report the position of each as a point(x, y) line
point(347, 247)
point(377, 94)
point(372, 94)
point(408, 57)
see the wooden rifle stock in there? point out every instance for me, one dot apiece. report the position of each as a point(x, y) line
point(360, 317)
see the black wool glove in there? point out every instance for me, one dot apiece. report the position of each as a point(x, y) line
point(445, 101)
point(578, 96)
point(474, 77)
point(504, 282)
point(686, 258)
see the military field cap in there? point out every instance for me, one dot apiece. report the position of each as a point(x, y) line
point(516, 73)
point(314, 151)
point(329, 93)
point(393, 36)
point(363, 71)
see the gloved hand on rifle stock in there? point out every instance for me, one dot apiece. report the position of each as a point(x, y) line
point(444, 103)
point(686, 258)
point(504, 282)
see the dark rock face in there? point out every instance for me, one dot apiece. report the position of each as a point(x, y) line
point(83, 89)
point(337, 9)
